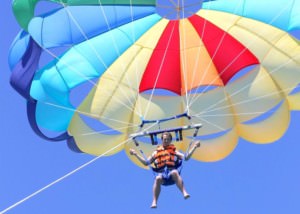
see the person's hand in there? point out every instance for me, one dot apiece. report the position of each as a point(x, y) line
point(132, 152)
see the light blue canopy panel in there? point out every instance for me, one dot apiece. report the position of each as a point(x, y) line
point(18, 48)
point(81, 63)
point(74, 24)
point(284, 14)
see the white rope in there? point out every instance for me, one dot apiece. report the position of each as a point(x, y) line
point(196, 95)
point(252, 42)
point(60, 179)
point(245, 101)
point(210, 108)
point(84, 113)
point(119, 54)
point(183, 55)
point(82, 166)
point(159, 71)
point(100, 58)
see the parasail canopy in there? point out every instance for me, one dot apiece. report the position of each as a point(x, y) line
point(233, 66)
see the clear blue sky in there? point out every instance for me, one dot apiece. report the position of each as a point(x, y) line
point(256, 179)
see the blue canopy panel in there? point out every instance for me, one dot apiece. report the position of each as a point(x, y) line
point(88, 60)
point(74, 24)
point(18, 48)
point(283, 14)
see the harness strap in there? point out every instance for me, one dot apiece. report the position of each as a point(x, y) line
point(193, 139)
point(141, 151)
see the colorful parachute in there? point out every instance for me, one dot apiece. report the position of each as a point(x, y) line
point(232, 65)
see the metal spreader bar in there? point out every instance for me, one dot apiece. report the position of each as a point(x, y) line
point(176, 130)
point(165, 119)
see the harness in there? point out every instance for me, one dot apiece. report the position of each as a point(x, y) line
point(165, 160)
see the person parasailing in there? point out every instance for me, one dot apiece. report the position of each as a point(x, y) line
point(167, 160)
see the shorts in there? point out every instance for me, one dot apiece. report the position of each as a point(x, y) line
point(167, 179)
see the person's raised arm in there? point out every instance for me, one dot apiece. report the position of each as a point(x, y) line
point(140, 158)
point(191, 151)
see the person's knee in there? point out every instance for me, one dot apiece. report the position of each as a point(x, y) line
point(158, 179)
point(175, 174)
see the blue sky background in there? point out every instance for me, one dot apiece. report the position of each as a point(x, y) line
point(253, 179)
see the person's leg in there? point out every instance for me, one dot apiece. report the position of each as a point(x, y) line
point(179, 182)
point(156, 190)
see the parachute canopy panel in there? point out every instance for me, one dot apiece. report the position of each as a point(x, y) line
point(232, 66)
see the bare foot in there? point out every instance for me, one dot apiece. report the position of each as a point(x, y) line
point(153, 205)
point(186, 196)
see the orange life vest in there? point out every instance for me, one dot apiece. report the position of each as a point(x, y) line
point(165, 156)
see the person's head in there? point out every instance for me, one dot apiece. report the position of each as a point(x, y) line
point(166, 138)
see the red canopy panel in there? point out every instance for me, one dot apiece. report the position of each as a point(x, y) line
point(163, 69)
point(228, 55)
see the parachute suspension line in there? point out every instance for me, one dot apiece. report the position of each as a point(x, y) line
point(127, 125)
point(137, 102)
point(195, 70)
point(196, 63)
point(242, 102)
point(153, 134)
point(211, 108)
point(193, 139)
point(213, 124)
point(62, 178)
point(224, 115)
point(160, 68)
point(85, 113)
point(84, 77)
point(80, 74)
point(131, 13)
point(183, 54)
point(96, 52)
point(141, 151)
point(109, 130)
point(176, 130)
point(197, 96)
point(118, 51)
point(69, 66)
point(250, 44)
point(85, 37)
point(133, 137)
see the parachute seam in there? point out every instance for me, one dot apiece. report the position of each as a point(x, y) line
point(41, 37)
point(61, 76)
point(183, 58)
point(284, 34)
point(246, 85)
point(118, 28)
point(244, 5)
point(71, 35)
point(115, 89)
point(99, 57)
point(249, 100)
point(291, 12)
point(197, 96)
point(85, 113)
point(158, 74)
point(79, 73)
